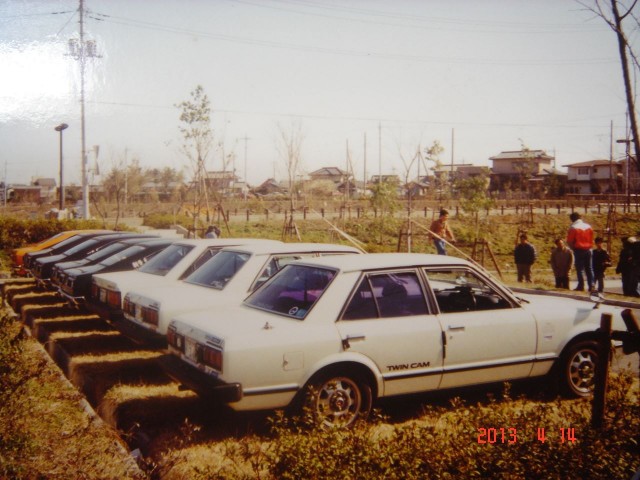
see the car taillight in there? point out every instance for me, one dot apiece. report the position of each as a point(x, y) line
point(175, 339)
point(211, 357)
point(113, 298)
point(128, 306)
point(150, 315)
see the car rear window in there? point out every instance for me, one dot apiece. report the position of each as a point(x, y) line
point(219, 270)
point(162, 263)
point(122, 255)
point(106, 251)
point(293, 291)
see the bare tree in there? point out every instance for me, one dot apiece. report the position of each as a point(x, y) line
point(197, 134)
point(615, 13)
point(124, 177)
point(290, 146)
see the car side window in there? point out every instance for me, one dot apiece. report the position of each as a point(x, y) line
point(276, 264)
point(460, 290)
point(385, 295)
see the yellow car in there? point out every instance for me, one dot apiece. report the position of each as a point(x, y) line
point(18, 254)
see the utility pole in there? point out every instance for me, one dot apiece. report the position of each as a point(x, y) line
point(364, 183)
point(81, 50)
point(246, 182)
point(6, 187)
point(126, 179)
point(346, 186)
point(379, 152)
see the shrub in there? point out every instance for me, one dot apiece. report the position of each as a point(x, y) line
point(528, 441)
point(16, 232)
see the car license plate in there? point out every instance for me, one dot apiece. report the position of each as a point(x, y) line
point(190, 349)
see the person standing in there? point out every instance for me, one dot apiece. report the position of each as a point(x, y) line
point(524, 256)
point(580, 240)
point(626, 267)
point(600, 261)
point(211, 232)
point(561, 262)
point(440, 232)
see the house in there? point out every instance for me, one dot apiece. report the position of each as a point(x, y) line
point(334, 174)
point(375, 179)
point(25, 194)
point(153, 190)
point(270, 187)
point(48, 188)
point(513, 169)
point(596, 176)
point(418, 187)
point(351, 188)
point(463, 170)
point(220, 181)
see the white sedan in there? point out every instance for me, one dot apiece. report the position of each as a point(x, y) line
point(226, 278)
point(174, 263)
point(337, 333)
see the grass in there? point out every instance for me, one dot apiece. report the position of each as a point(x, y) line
point(45, 431)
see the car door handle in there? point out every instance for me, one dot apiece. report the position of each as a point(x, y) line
point(346, 342)
point(456, 328)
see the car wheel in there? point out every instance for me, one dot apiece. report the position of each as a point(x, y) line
point(577, 373)
point(337, 401)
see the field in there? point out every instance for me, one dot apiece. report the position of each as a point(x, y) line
point(49, 430)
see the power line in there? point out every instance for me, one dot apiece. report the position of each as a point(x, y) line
point(388, 121)
point(345, 52)
point(43, 14)
point(423, 21)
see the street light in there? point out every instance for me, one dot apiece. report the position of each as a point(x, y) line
point(60, 128)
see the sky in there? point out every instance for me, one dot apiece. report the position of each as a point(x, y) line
point(366, 82)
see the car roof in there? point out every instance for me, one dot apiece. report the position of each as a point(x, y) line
point(137, 239)
point(152, 242)
point(372, 261)
point(226, 242)
point(294, 247)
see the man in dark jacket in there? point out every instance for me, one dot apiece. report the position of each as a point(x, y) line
point(524, 256)
point(600, 260)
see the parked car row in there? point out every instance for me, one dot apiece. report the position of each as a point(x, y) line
point(261, 324)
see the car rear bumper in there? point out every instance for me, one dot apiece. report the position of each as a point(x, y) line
point(137, 333)
point(204, 385)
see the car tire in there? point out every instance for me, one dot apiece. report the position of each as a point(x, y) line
point(577, 369)
point(337, 400)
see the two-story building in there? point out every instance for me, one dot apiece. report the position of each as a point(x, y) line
point(333, 174)
point(596, 176)
point(514, 170)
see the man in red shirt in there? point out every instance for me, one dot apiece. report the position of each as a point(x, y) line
point(580, 240)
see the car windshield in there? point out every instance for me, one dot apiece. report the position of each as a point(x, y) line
point(105, 252)
point(122, 255)
point(218, 271)
point(293, 291)
point(166, 260)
